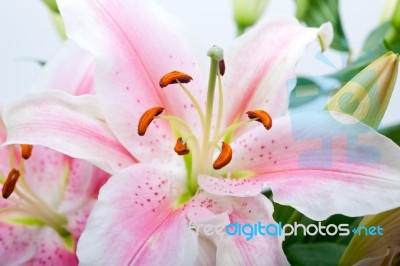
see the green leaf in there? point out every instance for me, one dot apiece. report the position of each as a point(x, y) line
point(288, 215)
point(374, 48)
point(316, 12)
point(393, 133)
point(318, 254)
point(309, 89)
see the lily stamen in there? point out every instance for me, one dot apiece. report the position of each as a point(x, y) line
point(10, 183)
point(222, 68)
point(232, 128)
point(173, 78)
point(216, 146)
point(261, 116)
point(146, 119)
point(201, 159)
point(177, 121)
point(224, 157)
point(26, 151)
point(195, 103)
point(181, 147)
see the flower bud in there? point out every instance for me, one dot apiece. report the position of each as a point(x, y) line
point(247, 12)
point(367, 95)
point(376, 241)
point(57, 19)
point(52, 5)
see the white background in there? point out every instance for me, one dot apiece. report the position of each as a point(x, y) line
point(27, 33)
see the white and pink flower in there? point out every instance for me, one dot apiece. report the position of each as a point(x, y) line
point(310, 161)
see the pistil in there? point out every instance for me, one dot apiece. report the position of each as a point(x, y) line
point(216, 55)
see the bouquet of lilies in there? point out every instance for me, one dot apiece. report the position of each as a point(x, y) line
point(139, 146)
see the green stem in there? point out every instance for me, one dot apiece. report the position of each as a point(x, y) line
point(240, 30)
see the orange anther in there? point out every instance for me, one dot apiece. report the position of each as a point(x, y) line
point(26, 151)
point(9, 184)
point(262, 117)
point(224, 157)
point(146, 119)
point(174, 77)
point(221, 65)
point(180, 147)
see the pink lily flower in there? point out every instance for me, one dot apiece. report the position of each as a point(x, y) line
point(47, 198)
point(143, 211)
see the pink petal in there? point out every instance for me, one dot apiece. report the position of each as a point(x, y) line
point(72, 125)
point(51, 250)
point(80, 195)
point(232, 187)
point(259, 250)
point(138, 202)
point(16, 243)
point(4, 151)
point(45, 172)
point(77, 219)
point(135, 44)
point(32, 245)
point(207, 208)
point(261, 64)
point(83, 184)
point(202, 210)
point(70, 70)
point(319, 163)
